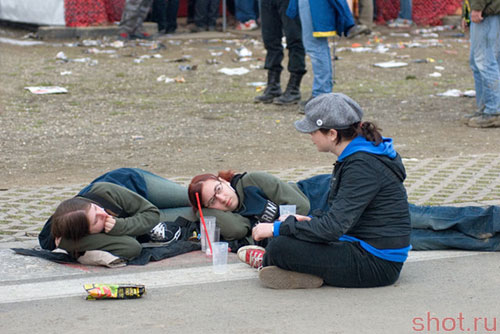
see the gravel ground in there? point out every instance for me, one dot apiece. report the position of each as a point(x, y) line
point(117, 114)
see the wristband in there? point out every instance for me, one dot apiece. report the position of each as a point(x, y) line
point(276, 228)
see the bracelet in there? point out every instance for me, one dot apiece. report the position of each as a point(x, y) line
point(272, 229)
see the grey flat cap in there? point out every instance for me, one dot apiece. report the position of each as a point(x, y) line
point(329, 111)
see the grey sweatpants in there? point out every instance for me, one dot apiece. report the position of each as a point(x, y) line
point(133, 16)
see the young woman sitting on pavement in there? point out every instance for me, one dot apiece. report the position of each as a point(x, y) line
point(363, 213)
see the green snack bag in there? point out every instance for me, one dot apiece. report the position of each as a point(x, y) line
point(114, 291)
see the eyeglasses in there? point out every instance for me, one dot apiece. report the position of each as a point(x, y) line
point(217, 191)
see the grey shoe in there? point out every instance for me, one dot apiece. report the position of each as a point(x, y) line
point(357, 30)
point(277, 278)
point(466, 118)
point(485, 121)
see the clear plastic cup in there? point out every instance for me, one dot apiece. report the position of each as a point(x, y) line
point(219, 259)
point(210, 224)
point(287, 209)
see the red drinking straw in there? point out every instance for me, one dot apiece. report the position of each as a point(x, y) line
point(203, 222)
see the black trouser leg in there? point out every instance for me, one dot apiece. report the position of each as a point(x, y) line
point(343, 264)
point(293, 33)
point(172, 10)
point(272, 32)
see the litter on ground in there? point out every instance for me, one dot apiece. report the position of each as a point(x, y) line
point(39, 90)
point(234, 71)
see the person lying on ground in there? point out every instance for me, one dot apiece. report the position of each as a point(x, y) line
point(115, 213)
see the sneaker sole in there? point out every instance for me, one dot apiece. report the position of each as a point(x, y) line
point(277, 278)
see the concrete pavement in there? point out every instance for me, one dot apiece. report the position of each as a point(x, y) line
point(436, 288)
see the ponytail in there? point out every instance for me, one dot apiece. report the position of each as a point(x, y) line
point(371, 132)
point(366, 129)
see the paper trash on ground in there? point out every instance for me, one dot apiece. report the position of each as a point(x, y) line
point(257, 83)
point(18, 42)
point(47, 90)
point(458, 93)
point(243, 52)
point(391, 64)
point(234, 71)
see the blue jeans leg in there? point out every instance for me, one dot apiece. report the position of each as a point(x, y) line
point(485, 63)
point(405, 9)
point(319, 52)
point(245, 10)
point(317, 190)
point(422, 239)
point(474, 221)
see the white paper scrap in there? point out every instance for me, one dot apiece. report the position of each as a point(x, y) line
point(391, 64)
point(47, 90)
point(234, 71)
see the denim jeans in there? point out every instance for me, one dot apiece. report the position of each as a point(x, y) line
point(342, 264)
point(318, 51)
point(405, 9)
point(246, 10)
point(447, 227)
point(274, 22)
point(485, 63)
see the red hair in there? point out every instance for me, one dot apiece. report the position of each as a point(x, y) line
point(197, 183)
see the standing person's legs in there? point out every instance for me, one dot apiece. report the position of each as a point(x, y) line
point(191, 11)
point(245, 10)
point(484, 62)
point(366, 13)
point(213, 14)
point(129, 17)
point(405, 9)
point(296, 56)
point(271, 35)
point(172, 10)
point(159, 14)
point(200, 13)
point(342, 264)
point(319, 52)
point(293, 33)
point(143, 11)
point(485, 50)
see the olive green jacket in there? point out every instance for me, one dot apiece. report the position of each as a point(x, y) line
point(238, 224)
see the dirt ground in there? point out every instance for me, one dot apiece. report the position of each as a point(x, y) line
point(117, 114)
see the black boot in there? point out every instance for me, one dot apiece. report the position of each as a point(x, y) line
point(272, 90)
point(292, 92)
